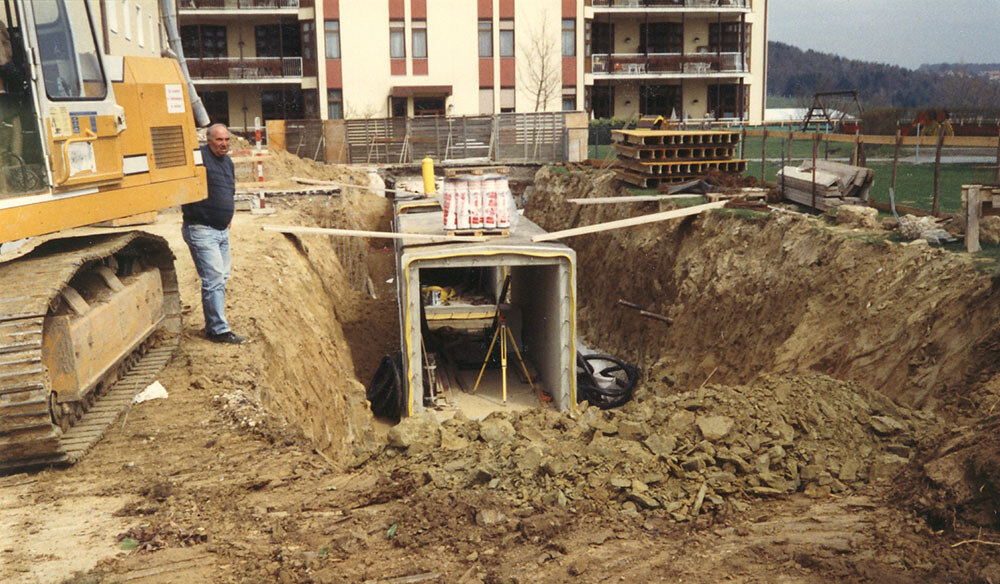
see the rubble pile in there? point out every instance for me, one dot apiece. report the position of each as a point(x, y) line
point(674, 454)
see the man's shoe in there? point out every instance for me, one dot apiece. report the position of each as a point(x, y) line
point(227, 337)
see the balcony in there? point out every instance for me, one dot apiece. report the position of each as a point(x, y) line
point(230, 6)
point(670, 5)
point(656, 65)
point(236, 71)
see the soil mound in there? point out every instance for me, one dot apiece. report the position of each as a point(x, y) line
point(671, 453)
point(752, 292)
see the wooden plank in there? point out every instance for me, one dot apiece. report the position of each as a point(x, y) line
point(953, 141)
point(972, 220)
point(294, 229)
point(632, 199)
point(633, 221)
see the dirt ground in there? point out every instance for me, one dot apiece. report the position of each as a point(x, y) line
point(819, 411)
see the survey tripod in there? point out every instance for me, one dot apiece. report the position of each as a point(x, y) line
point(503, 332)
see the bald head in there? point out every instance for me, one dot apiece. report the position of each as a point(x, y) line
point(218, 139)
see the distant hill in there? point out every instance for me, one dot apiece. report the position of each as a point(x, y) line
point(966, 68)
point(794, 73)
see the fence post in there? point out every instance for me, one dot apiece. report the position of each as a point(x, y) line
point(937, 171)
point(763, 155)
point(996, 174)
point(815, 152)
point(895, 160)
point(972, 219)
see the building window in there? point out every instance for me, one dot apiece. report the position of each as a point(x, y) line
point(419, 39)
point(127, 20)
point(309, 43)
point(507, 100)
point(569, 99)
point(506, 38)
point(726, 39)
point(603, 38)
point(335, 99)
point(397, 40)
point(332, 28)
point(661, 37)
point(398, 107)
point(428, 106)
point(140, 37)
point(278, 40)
point(216, 105)
point(111, 7)
point(485, 38)
point(569, 37)
point(486, 101)
point(203, 41)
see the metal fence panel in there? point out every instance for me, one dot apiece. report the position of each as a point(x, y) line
point(502, 138)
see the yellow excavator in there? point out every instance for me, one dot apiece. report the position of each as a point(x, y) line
point(86, 320)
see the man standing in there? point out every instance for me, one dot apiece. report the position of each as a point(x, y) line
point(206, 231)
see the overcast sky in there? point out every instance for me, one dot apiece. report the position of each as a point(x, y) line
point(899, 32)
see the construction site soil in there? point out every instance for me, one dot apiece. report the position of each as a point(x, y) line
point(821, 409)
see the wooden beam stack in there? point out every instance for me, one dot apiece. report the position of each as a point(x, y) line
point(836, 184)
point(647, 158)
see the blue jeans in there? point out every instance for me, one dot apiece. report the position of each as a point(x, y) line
point(210, 252)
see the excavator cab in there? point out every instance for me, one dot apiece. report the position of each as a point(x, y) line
point(22, 159)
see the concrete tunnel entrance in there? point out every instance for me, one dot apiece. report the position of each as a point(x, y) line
point(450, 297)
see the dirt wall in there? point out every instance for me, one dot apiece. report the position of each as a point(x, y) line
point(752, 293)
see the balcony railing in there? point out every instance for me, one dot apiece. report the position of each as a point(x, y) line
point(660, 63)
point(241, 4)
point(261, 68)
point(671, 3)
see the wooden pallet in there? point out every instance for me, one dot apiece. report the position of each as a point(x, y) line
point(479, 233)
point(475, 170)
point(671, 153)
point(689, 168)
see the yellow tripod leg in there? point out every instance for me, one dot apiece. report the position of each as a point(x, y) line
point(521, 359)
point(503, 364)
point(486, 360)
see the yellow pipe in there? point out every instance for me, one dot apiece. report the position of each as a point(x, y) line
point(428, 168)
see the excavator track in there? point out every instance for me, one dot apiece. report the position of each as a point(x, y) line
point(37, 427)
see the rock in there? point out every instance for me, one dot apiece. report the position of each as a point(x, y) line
point(857, 216)
point(620, 483)
point(696, 463)
point(555, 498)
point(714, 428)
point(724, 456)
point(484, 473)
point(810, 472)
point(660, 445)
point(885, 466)
point(423, 430)
point(605, 448)
point(886, 426)
point(594, 418)
point(680, 422)
point(849, 470)
point(633, 430)
point(900, 450)
point(530, 460)
point(489, 518)
point(644, 500)
point(496, 431)
point(639, 486)
point(452, 441)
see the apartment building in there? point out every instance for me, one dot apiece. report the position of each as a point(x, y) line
point(692, 59)
point(332, 59)
point(128, 27)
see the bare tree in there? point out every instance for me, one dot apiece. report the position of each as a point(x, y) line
point(541, 65)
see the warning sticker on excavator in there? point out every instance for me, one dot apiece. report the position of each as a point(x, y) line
point(81, 158)
point(175, 98)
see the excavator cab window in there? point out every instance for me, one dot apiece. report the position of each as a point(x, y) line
point(67, 48)
point(22, 166)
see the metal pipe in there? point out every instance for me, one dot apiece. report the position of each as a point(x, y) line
point(168, 13)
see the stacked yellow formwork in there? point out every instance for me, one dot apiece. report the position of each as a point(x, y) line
point(647, 158)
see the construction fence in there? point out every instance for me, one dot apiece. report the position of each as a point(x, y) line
point(542, 137)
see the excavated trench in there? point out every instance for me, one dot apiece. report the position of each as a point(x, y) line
point(754, 293)
point(802, 358)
